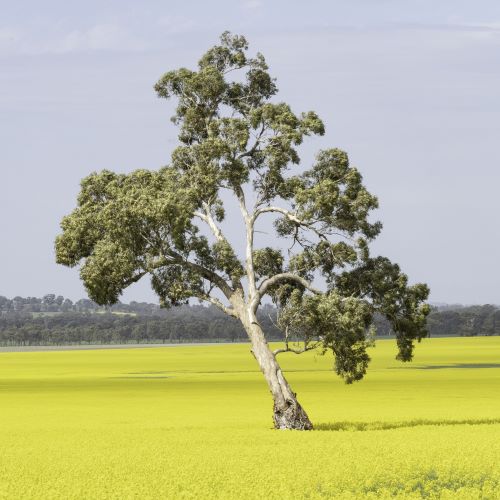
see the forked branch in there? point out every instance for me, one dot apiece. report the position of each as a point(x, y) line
point(279, 278)
point(290, 216)
point(206, 217)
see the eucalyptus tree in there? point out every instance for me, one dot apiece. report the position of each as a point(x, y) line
point(236, 138)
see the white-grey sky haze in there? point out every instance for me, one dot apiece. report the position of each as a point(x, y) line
point(411, 90)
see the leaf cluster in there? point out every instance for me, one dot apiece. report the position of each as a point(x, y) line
point(127, 226)
point(336, 323)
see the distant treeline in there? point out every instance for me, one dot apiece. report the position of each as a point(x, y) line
point(56, 320)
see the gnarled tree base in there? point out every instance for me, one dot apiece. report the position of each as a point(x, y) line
point(292, 416)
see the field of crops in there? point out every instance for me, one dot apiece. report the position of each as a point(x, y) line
point(194, 422)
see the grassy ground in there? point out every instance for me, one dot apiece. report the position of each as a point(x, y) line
point(194, 422)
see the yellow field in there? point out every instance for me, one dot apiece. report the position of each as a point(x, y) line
point(194, 422)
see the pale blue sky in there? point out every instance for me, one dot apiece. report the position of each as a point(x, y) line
point(411, 89)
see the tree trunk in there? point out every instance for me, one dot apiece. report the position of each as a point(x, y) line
point(287, 411)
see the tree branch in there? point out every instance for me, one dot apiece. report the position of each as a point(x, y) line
point(292, 217)
point(134, 279)
point(253, 149)
point(217, 232)
point(249, 240)
point(287, 277)
point(273, 280)
point(169, 256)
point(295, 351)
point(208, 219)
point(208, 274)
point(216, 302)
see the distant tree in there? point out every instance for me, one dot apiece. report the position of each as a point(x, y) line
point(49, 299)
point(67, 305)
point(485, 320)
point(18, 303)
point(446, 322)
point(235, 138)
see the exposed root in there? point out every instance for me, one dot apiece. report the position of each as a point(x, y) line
point(292, 416)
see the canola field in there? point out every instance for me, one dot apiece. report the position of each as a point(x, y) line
point(195, 423)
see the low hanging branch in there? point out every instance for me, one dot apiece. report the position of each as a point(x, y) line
point(296, 351)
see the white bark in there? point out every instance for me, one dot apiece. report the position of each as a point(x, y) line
point(207, 217)
point(288, 413)
point(249, 242)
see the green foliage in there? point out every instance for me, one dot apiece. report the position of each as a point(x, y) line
point(383, 283)
point(267, 261)
point(332, 192)
point(339, 323)
point(126, 225)
point(326, 256)
point(226, 260)
point(107, 269)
